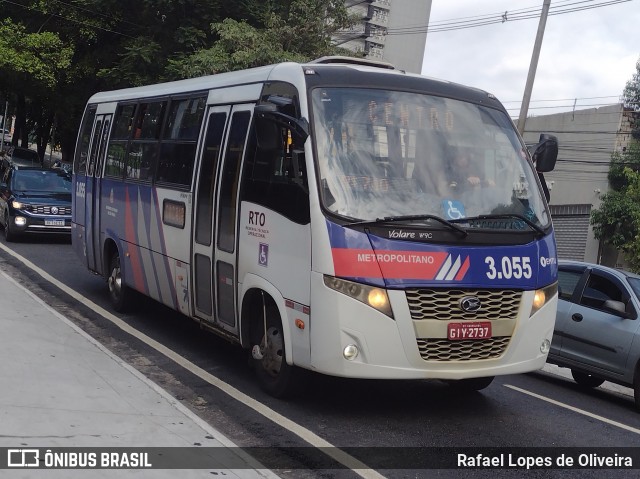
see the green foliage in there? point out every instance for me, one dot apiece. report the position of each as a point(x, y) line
point(239, 46)
point(54, 55)
point(32, 60)
point(294, 30)
point(631, 98)
point(138, 64)
point(617, 221)
point(631, 93)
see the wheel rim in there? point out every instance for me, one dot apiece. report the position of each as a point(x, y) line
point(115, 279)
point(272, 352)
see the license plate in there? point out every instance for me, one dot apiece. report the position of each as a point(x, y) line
point(456, 331)
point(54, 222)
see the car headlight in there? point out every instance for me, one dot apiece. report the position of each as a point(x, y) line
point(542, 297)
point(17, 205)
point(373, 296)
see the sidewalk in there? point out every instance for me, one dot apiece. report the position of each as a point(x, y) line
point(59, 388)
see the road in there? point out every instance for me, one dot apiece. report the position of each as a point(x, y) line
point(212, 377)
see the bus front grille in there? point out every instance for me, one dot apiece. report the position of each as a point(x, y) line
point(48, 210)
point(432, 309)
point(463, 350)
point(444, 304)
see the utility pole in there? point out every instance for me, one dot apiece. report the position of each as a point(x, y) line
point(4, 124)
point(524, 108)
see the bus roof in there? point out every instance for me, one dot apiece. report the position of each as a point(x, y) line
point(352, 73)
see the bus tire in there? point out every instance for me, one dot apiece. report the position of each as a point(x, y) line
point(471, 384)
point(275, 376)
point(119, 293)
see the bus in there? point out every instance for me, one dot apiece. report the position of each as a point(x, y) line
point(316, 215)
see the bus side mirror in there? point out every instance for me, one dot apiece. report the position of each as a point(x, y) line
point(546, 153)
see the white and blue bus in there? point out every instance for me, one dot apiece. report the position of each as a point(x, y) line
point(336, 216)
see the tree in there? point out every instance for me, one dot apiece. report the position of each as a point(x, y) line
point(617, 221)
point(55, 54)
point(631, 98)
point(32, 66)
point(293, 30)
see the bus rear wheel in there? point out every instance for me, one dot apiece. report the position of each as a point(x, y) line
point(275, 376)
point(119, 292)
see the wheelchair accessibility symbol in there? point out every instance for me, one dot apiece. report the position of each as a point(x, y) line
point(453, 210)
point(263, 255)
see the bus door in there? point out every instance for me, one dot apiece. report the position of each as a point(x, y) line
point(216, 209)
point(204, 212)
point(92, 191)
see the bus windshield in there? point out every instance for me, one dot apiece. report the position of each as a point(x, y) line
point(390, 153)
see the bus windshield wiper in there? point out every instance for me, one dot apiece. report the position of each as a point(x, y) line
point(392, 219)
point(530, 223)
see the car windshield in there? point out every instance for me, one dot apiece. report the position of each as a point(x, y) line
point(24, 155)
point(48, 181)
point(389, 153)
point(635, 285)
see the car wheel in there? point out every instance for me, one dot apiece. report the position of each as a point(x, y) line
point(119, 293)
point(471, 384)
point(636, 388)
point(9, 235)
point(586, 380)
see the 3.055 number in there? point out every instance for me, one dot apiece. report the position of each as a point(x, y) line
point(510, 267)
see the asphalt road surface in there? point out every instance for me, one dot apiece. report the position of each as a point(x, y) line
point(403, 429)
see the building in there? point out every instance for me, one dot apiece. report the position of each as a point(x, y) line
point(394, 31)
point(586, 139)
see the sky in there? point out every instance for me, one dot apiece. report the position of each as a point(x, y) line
point(586, 58)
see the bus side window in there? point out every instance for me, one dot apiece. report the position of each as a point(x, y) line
point(178, 144)
point(143, 150)
point(80, 162)
point(116, 154)
point(270, 177)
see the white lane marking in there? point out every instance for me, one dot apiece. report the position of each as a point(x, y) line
point(316, 441)
point(575, 409)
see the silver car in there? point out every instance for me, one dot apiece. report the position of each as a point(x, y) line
point(597, 332)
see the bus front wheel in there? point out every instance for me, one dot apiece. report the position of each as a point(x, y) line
point(119, 292)
point(275, 376)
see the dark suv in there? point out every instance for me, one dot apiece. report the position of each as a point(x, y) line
point(35, 200)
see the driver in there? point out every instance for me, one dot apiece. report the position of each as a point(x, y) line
point(464, 170)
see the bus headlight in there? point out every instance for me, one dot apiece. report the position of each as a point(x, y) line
point(542, 296)
point(375, 297)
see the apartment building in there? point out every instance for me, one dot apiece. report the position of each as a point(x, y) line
point(394, 31)
point(586, 139)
